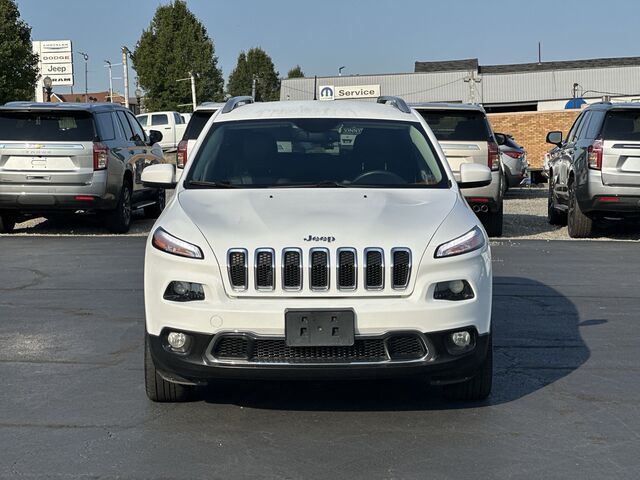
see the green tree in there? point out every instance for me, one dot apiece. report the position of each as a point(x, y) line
point(18, 63)
point(255, 64)
point(295, 72)
point(175, 44)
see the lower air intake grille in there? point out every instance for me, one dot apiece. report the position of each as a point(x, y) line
point(232, 348)
point(319, 269)
point(237, 262)
point(405, 347)
point(264, 269)
point(374, 269)
point(401, 268)
point(277, 351)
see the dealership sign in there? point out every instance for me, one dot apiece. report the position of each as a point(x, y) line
point(330, 92)
point(55, 61)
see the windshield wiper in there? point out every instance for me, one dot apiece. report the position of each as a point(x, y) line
point(323, 184)
point(206, 184)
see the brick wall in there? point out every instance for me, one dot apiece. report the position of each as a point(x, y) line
point(530, 129)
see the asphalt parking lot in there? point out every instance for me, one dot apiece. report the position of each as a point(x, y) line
point(565, 401)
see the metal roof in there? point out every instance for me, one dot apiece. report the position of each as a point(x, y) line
point(446, 106)
point(562, 65)
point(446, 66)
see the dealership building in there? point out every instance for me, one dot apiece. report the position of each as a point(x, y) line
point(525, 100)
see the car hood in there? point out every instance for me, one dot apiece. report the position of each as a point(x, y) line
point(321, 217)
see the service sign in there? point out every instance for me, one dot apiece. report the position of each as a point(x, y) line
point(330, 92)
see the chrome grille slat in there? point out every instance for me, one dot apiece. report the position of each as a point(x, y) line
point(401, 267)
point(347, 265)
point(237, 267)
point(374, 269)
point(319, 269)
point(265, 269)
point(292, 269)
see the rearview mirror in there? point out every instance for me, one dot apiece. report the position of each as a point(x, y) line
point(554, 138)
point(473, 175)
point(501, 138)
point(154, 137)
point(160, 175)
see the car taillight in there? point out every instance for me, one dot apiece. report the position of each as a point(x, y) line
point(595, 155)
point(181, 159)
point(493, 158)
point(100, 156)
point(513, 154)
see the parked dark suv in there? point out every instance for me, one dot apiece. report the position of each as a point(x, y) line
point(595, 171)
point(70, 157)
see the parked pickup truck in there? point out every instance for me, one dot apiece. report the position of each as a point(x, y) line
point(170, 124)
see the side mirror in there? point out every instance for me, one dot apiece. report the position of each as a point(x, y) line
point(501, 138)
point(554, 138)
point(473, 175)
point(154, 137)
point(159, 175)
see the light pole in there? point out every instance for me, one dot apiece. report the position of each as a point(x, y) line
point(340, 70)
point(47, 87)
point(192, 77)
point(125, 65)
point(86, 75)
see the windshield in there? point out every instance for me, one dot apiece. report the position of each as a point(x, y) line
point(457, 126)
point(316, 152)
point(47, 126)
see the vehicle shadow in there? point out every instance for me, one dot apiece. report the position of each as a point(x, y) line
point(520, 225)
point(536, 342)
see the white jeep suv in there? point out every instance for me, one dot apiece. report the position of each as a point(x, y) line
point(313, 240)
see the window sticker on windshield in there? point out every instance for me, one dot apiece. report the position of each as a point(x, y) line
point(284, 147)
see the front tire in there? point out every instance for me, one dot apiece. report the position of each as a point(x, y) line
point(119, 220)
point(157, 388)
point(7, 223)
point(476, 388)
point(579, 225)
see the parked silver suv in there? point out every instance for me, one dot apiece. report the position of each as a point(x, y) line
point(75, 157)
point(465, 135)
point(595, 172)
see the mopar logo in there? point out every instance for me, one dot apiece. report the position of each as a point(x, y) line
point(326, 92)
point(311, 238)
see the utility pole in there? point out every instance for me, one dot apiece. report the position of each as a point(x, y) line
point(253, 86)
point(110, 80)
point(125, 66)
point(86, 76)
point(473, 79)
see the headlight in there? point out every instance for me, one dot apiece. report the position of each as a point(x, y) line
point(170, 244)
point(470, 241)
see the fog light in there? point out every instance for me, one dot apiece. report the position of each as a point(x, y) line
point(461, 339)
point(177, 340)
point(453, 290)
point(178, 291)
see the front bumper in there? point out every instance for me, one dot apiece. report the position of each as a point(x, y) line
point(198, 367)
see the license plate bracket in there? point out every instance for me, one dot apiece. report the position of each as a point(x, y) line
point(319, 328)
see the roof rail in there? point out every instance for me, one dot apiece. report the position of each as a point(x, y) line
point(236, 102)
point(397, 102)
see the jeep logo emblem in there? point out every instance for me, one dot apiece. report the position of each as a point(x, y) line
point(312, 238)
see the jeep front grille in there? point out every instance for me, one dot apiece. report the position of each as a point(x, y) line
point(319, 268)
point(237, 262)
point(265, 269)
point(321, 265)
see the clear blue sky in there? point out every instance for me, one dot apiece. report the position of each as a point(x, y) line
point(376, 36)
